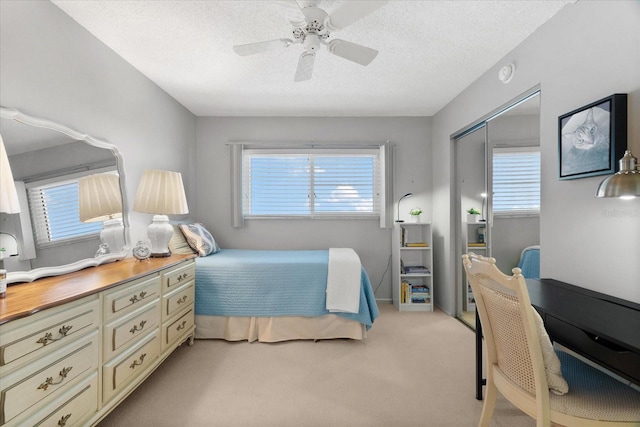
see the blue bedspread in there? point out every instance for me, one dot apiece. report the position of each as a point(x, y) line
point(237, 282)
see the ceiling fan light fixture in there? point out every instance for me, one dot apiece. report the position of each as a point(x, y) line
point(311, 27)
point(312, 43)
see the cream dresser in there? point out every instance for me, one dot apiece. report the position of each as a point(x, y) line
point(72, 347)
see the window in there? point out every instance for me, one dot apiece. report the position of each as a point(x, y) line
point(311, 183)
point(54, 213)
point(516, 180)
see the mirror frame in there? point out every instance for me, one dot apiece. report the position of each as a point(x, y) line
point(30, 276)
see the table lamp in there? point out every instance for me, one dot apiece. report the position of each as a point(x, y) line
point(100, 200)
point(161, 193)
point(405, 196)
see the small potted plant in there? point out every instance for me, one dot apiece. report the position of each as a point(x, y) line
point(415, 214)
point(473, 215)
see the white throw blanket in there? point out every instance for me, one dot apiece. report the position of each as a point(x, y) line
point(343, 281)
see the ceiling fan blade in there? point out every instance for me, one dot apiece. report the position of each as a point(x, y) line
point(305, 67)
point(259, 47)
point(291, 11)
point(350, 12)
point(353, 52)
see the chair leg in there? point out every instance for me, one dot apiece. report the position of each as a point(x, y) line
point(489, 404)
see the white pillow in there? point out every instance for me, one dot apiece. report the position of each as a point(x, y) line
point(557, 383)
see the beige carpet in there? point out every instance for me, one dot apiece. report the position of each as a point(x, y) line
point(415, 369)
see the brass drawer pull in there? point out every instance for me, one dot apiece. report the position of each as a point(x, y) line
point(183, 299)
point(63, 420)
point(134, 299)
point(182, 277)
point(136, 363)
point(182, 325)
point(135, 327)
point(48, 337)
point(49, 381)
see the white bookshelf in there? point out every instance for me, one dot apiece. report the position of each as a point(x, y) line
point(412, 266)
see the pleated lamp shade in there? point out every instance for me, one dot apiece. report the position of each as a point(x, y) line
point(100, 197)
point(161, 192)
point(8, 195)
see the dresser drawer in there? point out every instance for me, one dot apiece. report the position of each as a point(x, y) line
point(125, 368)
point(22, 392)
point(172, 331)
point(610, 355)
point(121, 332)
point(178, 276)
point(176, 301)
point(37, 335)
point(71, 409)
point(122, 301)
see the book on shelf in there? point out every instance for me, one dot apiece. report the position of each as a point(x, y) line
point(405, 292)
point(416, 269)
point(417, 245)
point(403, 236)
point(476, 244)
point(410, 294)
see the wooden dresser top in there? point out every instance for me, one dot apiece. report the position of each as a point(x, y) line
point(24, 299)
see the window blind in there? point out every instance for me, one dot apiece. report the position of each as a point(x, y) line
point(54, 214)
point(311, 182)
point(516, 180)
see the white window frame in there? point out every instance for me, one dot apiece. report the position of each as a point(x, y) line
point(378, 178)
point(530, 209)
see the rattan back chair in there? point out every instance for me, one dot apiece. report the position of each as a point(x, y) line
point(516, 366)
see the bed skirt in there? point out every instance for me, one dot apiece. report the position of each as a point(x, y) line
point(276, 329)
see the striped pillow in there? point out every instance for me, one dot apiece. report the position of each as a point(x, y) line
point(200, 240)
point(178, 243)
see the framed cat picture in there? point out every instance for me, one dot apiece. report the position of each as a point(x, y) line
point(593, 138)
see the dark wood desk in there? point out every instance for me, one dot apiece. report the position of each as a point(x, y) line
point(602, 328)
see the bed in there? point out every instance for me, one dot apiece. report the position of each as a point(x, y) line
point(272, 296)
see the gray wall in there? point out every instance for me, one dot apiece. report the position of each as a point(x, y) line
point(373, 244)
point(588, 242)
point(51, 67)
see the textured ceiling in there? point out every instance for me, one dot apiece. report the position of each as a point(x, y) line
point(429, 52)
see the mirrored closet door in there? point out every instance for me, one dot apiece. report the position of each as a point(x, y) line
point(498, 193)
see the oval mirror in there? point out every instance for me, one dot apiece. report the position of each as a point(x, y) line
point(71, 192)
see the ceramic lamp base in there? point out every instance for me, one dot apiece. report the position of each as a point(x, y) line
point(160, 232)
point(113, 235)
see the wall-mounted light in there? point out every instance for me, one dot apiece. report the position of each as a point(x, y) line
point(161, 193)
point(403, 197)
point(625, 183)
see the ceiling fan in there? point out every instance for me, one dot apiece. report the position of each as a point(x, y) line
point(312, 27)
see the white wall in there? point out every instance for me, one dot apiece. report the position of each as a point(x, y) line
point(51, 67)
point(373, 244)
point(587, 242)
